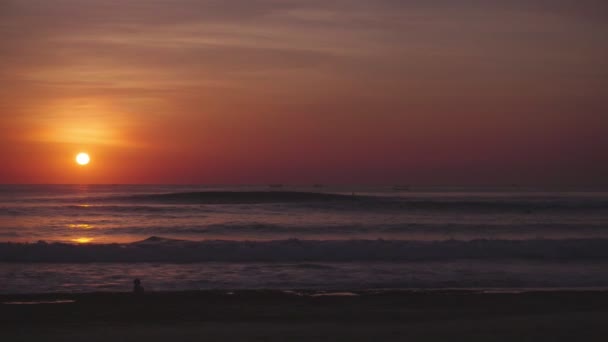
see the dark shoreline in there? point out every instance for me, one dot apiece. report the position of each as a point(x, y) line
point(276, 315)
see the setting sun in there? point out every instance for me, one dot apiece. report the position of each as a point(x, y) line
point(83, 159)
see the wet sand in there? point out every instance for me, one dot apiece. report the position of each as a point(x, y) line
point(278, 316)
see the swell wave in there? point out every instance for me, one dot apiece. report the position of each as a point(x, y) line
point(333, 201)
point(238, 197)
point(232, 229)
point(328, 201)
point(157, 249)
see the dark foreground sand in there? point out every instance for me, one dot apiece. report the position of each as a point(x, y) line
point(274, 316)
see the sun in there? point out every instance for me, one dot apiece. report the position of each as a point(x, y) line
point(82, 158)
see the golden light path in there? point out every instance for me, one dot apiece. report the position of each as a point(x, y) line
point(81, 226)
point(82, 240)
point(83, 158)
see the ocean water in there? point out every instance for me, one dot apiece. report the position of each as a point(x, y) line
point(58, 238)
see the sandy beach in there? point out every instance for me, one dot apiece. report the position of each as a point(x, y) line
point(306, 316)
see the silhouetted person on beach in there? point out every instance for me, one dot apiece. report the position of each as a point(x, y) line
point(137, 288)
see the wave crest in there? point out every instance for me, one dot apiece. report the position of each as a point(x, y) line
point(156, 249)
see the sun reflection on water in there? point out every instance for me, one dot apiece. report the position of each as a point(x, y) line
point(80, 226)
point(82, 240)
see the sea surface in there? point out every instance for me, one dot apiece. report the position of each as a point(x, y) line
point(82, 238)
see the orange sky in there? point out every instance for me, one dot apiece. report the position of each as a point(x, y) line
point(397, 92)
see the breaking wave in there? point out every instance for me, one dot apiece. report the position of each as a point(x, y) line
point(156, 249)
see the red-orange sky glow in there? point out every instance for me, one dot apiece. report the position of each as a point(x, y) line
point(241, 92)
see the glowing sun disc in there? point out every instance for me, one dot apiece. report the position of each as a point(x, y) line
point(83, 159)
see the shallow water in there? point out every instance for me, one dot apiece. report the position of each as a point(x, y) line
point(462, 274)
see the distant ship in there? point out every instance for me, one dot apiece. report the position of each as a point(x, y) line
point(275, 186)
point(401, 188)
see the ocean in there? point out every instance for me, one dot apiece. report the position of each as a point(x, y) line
point(87, 238)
